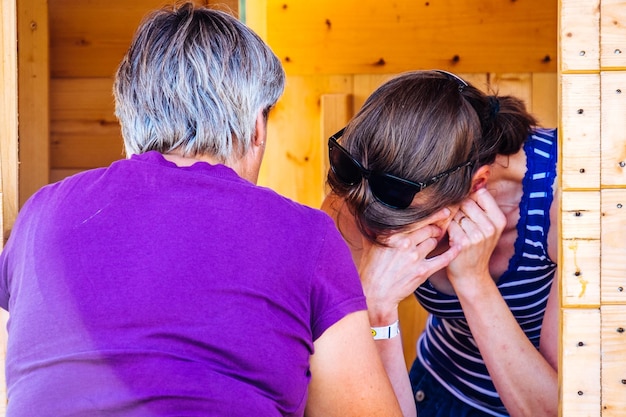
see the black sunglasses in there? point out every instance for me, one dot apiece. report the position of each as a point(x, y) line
point(392, 191)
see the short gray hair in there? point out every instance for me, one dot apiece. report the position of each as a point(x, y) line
point(195, 79)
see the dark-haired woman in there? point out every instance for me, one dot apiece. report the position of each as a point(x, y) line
point(449, 193)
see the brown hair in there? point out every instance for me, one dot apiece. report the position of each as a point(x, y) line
point(416, 126)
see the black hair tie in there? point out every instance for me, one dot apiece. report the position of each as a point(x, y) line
point(494, 106)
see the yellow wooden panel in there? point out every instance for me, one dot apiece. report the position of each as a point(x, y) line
point(545, 98)
point(8, 152)
point(365, 84)
point(518, 85)
point(412, 318)
point(89, 38)
point(33, 92)
point(293, 156)
point(613, 127)
point(579, 33)
point(368, 36)
point(59, 174)
point(613, 34)
point(82, 99)
point(613, 246)
point(8, 124)
point(580, 271)
point(580, 365)
point(613, 360)
point(85, 144)
point(580, 215)
point(336, 112)
point(580, 131)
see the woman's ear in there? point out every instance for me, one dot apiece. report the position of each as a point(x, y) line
point(260, 130)
point(480, 178)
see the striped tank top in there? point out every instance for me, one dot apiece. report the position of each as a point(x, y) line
point(446, 348)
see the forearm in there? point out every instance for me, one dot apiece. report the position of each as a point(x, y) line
point(391, 353)
point(525, 381)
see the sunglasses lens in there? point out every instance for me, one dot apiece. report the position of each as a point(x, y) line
point(344, 167)
point(391, 192)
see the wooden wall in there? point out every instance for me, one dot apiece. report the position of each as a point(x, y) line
point(592, 76)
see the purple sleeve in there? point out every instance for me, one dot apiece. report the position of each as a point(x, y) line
point(336, 288)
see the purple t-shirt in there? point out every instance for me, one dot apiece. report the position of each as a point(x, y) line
point(146, 289)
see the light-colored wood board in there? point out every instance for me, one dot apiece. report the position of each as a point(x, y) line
point(367, 37)
point(77, 145)
point(412, 317)
point(337, 109)
point(613, 247)
point(82, 99)
point(580, 266)
point(545, 98)
point(613, 127)
point(33, 94)
point(580, 363)
point(518, 85)
point(613, 34)
point(365, 84)
point(613, 360)
point(580, 131)
point(59, 174)
point(89, 38)
point(8, 152)
point(8, 123)
point(579, 35)
point(293, 155)
point(580, 215)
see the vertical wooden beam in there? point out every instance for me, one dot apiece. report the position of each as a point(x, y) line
point(8, 151)
point(8, 116)
point(33, 86)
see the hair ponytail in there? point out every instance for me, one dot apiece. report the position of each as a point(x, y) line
point(505, 124)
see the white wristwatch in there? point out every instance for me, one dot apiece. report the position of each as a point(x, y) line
point(386, 332)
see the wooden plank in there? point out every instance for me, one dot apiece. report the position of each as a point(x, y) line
point(580, 131)
point(545, 97)
point(8, 152)
point(412, 323)
point(33, 86)
point(293, 155)
point(613, 247)
point(580, 272)
point(365, 84)
point(517, 85)
point(85, 144)
point(580, 363)
point(580, 215)
point(82, 99)
point(336, 112)
point(367, 36)
point(89, 38)
point(8, 120)
point(59, 174)
point(613, 360)
point(613, 34)
point(579, 32)
point(613, 126)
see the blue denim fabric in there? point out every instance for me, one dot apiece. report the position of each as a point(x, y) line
point(433, 400)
